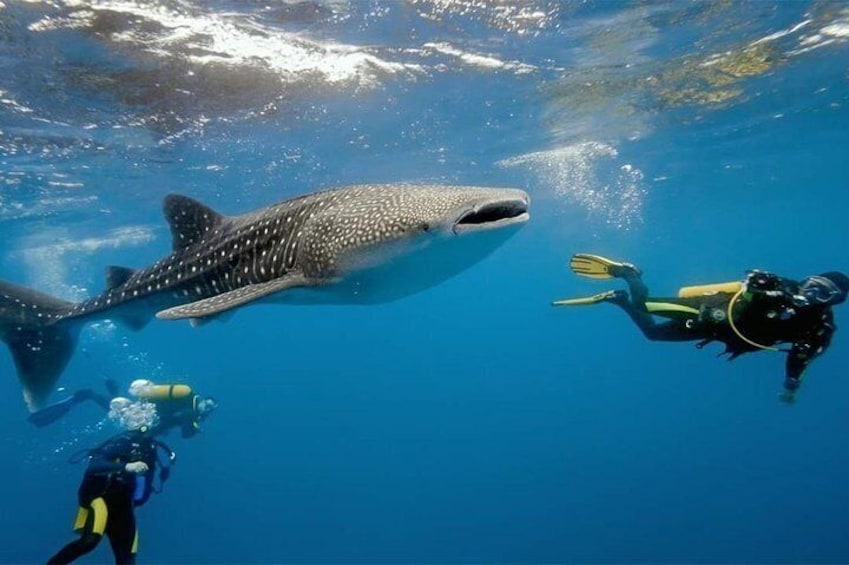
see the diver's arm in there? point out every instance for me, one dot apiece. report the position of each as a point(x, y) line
point(113, 455)
point(98, 399)
point(805, 349)
point(189, 428)
point(101, 466)
point(104, 467)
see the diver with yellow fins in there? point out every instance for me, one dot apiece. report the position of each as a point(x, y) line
point(119, 477)
point(757, 313)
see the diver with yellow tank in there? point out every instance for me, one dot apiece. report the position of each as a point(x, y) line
point(757, 313)
point(175, 406)
point(121, 471)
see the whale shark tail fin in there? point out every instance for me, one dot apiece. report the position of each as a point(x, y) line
point(41, 345)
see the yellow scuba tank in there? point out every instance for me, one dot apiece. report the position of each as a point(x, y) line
point(704, 289)
point(164, 392)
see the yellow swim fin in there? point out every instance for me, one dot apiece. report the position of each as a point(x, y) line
point(598, 267)
point(588, 300)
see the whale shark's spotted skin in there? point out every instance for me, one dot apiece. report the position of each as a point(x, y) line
point(219, 263)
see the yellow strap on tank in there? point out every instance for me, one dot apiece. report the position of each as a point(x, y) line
point(135, 548)
point(731, 304)
point(101, 515)
point(702, 289)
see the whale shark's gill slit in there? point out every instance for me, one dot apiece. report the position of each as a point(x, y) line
point(493, 213)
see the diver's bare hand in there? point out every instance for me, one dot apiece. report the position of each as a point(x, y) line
point(136, 467)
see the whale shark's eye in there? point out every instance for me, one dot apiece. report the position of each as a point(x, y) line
point(425, 227)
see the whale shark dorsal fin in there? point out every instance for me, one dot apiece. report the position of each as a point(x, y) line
point(228, 300)
point(189, 219)
point(116, 276)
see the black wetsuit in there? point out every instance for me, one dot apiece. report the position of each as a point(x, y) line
point(108, 495)
point(178, 413)
point(766, 316)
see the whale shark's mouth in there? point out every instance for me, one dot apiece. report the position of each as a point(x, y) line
point(492, 215)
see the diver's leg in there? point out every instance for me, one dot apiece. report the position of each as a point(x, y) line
point(639, 314)
point(86, 542)
point(667, 331)
point(122, 531)
point(100, 400)
point(637, 288)
point(111, 387)
point(90, 536)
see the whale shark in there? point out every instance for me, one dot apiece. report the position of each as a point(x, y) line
point(363, 244)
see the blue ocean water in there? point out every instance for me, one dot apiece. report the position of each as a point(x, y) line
point(471, 422)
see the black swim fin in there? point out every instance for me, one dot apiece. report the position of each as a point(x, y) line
point(112, 387)
point(52, 413)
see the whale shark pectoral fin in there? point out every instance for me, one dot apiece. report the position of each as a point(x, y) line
point(223, 317)
point(229, 300)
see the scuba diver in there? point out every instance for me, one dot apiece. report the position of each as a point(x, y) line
point(119, 477)
point(750, 315)
point(177, 405)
